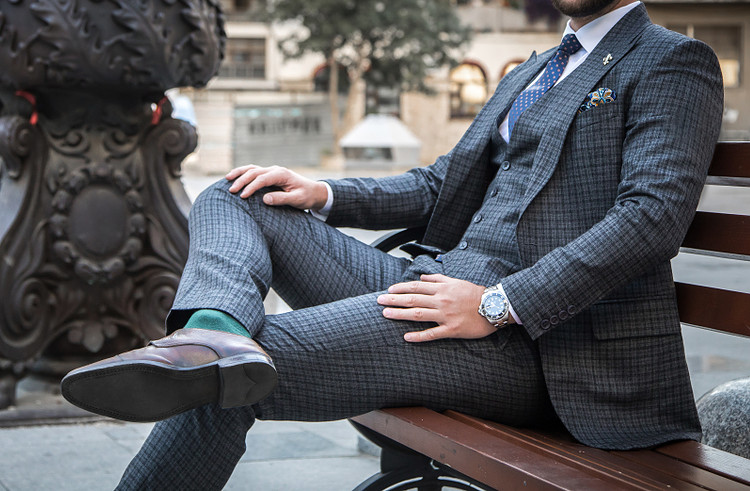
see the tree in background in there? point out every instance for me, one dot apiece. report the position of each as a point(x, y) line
point(386, 44)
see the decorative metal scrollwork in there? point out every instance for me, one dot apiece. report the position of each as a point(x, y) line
point(93, 223)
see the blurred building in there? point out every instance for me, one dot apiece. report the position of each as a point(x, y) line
point(267, 110)
point(725, 26)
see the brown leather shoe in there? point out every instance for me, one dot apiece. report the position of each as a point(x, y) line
point(184, 370)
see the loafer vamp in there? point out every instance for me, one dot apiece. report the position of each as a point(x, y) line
point(179, 356)
point(224, 344)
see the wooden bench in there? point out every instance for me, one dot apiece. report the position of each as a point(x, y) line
point(427, 450)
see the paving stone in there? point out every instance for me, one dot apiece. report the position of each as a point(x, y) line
point(296, 445)
point(334, 474)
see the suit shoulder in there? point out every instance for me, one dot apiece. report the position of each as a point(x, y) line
point(662, 40)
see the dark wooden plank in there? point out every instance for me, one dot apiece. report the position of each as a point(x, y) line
point(721, 310)
point(719, 232)
point(493, 461)
point(712, 459)
point(731, 159)
point(587, 459)
point(708, 479)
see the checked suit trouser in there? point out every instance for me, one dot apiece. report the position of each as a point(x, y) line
point(336, 355)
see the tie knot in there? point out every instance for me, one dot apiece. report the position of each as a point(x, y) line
point(569, 44)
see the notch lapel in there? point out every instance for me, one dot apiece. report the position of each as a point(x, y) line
point(468, 171)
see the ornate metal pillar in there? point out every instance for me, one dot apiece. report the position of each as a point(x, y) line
point(93, 228)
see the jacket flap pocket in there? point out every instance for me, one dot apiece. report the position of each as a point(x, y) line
point(635, 318)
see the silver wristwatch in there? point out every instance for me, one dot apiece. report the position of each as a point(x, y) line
point(494, 306)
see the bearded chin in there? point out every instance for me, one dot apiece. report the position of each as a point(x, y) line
point(582, 8)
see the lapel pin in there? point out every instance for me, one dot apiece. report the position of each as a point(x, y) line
point(607, 59)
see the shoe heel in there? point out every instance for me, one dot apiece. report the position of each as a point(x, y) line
point(245, 383)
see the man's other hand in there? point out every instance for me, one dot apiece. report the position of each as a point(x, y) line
point(449, 302)
point(296, 190)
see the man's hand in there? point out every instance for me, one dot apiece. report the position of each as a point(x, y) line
point(449, 302)
point(296, 190)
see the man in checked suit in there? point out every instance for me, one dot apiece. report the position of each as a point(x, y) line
point(541, 291)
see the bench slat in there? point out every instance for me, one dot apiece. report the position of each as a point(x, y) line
point(731, 159)
point(719, 232)
point(714, 308)
point(708, 479)
point(497, 463)
point(588, 459)
point(712, 459)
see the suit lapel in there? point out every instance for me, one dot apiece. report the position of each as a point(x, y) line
point(468, 170)
point(569, 94)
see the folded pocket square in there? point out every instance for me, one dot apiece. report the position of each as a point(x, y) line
point(598, 97)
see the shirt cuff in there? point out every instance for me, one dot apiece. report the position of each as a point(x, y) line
point(322, 214)
point(510, 307)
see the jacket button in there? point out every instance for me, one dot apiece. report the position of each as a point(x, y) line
point(554, 320)
point(571, 310)
point(545, 324)
point(493, 193)
point(506, 165)
point(477, 218)
point(563, 314)
point(463, 245)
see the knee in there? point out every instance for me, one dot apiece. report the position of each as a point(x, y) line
point(217, 194)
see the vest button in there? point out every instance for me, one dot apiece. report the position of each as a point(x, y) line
point(493, 193)
point(463, 245)
point(506, 165)
point(477, 218)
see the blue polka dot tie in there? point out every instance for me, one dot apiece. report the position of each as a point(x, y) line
point(552, 72)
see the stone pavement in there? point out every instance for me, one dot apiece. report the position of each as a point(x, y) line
point(90, 453)
point(282, 456)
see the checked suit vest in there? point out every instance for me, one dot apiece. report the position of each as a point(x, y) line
point(488, 249)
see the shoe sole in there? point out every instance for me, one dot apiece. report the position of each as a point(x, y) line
point(149, 391)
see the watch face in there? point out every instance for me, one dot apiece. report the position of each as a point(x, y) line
point(494, 306)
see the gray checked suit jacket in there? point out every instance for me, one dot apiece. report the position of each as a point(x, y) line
point(611, 193)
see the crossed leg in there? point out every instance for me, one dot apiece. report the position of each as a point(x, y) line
point(336, 355)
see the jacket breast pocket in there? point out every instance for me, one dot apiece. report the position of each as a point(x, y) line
point(618, 319)
point(603, 115)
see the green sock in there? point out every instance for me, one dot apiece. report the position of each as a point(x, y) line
point(216, 320)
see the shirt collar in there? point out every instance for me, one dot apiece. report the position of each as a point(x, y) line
point(593, 32)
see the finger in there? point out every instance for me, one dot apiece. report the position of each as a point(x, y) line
point(415, 314)
point(244, 178)
point(280, 198)
point(263, 179)
point(414, 287)
point(237, 171)
point(431, 334)
point(407, 300)
point(251, 174)
point(433, 278)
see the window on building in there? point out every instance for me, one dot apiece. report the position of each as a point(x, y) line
point(245, 58)
point(726, 41)
point(468, 90)
point(510, 66)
